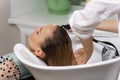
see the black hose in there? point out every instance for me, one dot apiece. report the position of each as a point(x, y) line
point(107, 43)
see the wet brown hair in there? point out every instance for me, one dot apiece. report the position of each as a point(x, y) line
point(58, 49)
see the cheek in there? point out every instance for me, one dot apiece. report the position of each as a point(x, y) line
point(37, 39)
point(33, 38)
point(31, 41)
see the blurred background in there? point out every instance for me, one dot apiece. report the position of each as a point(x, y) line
point(10, 34)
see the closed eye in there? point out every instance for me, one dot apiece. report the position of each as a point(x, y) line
point(39, 30)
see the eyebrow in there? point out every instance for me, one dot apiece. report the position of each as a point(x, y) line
point(41, 29)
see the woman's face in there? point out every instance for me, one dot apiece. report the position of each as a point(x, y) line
point(39, 35)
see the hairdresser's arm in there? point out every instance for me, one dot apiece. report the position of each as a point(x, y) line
point(108, 25)
point(82, 55)
point(88, 46)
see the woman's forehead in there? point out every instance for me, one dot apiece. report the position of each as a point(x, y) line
point(48, 29)
point(50, 26)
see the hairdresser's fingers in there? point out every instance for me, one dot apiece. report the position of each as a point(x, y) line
point(80, 51)
point(80, 56)
point(70, 30)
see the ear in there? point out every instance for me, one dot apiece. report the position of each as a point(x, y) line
point(40, 53)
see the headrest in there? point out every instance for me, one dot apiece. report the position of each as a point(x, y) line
point(25, 55)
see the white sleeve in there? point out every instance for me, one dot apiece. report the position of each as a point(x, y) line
point(83, 22)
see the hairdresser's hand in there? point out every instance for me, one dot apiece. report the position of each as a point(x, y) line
point(70, 30)
point(81, 56)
